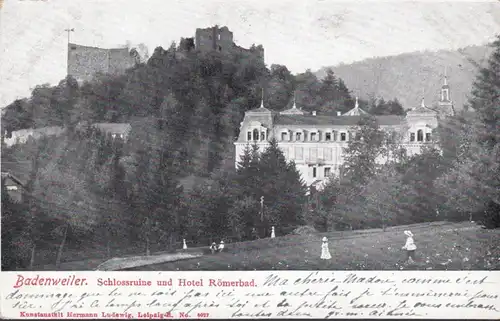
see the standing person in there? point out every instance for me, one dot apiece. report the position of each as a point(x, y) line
point(410, 247)
point(255, 235)
point(325, 251)
point(213, 247)
point(221, 246)
point(273, 235)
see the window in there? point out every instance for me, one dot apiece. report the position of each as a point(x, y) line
point(299, 153)
point(420, 135)
point(12, 188)
point(327, 171)
point(314, 171)
point(313, 153)
point(255, 134)
point(262, 135)
point(327, 153)
point(313, 136)
point(428, 137)
point(445, 95)
point(328, 137)
point(284, 136)
point(412, 137)
point(298, 136)
point(343, 137)
point(249, 135)
point(219, 37)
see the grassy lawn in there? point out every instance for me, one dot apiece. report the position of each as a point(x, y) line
point(441, 246)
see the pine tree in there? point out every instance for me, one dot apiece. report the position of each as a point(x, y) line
point(248, 172)
point(282, 188)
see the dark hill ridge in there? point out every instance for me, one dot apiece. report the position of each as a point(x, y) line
point(408, 75)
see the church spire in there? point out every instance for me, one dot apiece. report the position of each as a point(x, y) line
point(445, 77)
point(423, 98)
point(262, 99)
point(356, 105)
point(294, 100)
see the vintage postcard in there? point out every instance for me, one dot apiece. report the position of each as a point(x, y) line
point(250, 159)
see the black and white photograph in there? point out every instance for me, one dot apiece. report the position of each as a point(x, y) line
point(212, 135)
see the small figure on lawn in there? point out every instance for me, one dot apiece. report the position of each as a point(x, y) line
point(213, 247)
point(184, 245)
point(325, 251)
point(221, 246)
point(410, 247)
point(255, 235)
point(272, 232)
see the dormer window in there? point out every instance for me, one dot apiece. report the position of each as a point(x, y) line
point(284, 136)
point(420, 135)
point(256, 134)
point(314, 137)
point(343, 137)
point(298, 137)
point(328, 137)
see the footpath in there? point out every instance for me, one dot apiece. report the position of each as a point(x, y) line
point(117, 264)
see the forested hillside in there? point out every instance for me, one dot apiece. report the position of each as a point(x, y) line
point(406, 76)
point(84, 189)
point(184, 108)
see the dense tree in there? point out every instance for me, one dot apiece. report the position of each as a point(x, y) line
point(281, 183)
point(473, 183)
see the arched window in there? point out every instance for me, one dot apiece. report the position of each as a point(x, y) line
point(420, 135)
point(262, 135)
point(249, 135)
point(256, 134)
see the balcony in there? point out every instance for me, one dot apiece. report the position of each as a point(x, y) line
point(315, 161)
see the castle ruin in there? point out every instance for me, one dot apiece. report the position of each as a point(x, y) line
point(85, 62)
point(221, 39)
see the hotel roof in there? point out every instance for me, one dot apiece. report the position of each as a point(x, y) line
point(310, 120)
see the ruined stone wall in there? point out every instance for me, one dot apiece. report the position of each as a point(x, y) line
point(85, 62)
point(214, 38)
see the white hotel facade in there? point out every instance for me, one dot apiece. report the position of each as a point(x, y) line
point(316, 142)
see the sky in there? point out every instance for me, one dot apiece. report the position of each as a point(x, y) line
point(305, 34)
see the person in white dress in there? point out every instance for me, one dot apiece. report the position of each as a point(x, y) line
point(221, 246)
point(410, 247)
point(184, 245)
point(272, 232)
point(325, 251)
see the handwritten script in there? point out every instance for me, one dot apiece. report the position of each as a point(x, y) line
point(286, 294)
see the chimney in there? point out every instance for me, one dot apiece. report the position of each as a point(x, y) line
point(314, 113)
point(339, 113)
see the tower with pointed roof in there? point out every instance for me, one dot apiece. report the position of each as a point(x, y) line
point(294, 110)
point(356, 111)
point(445, 104)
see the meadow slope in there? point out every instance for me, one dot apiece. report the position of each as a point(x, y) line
point(441, 246)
